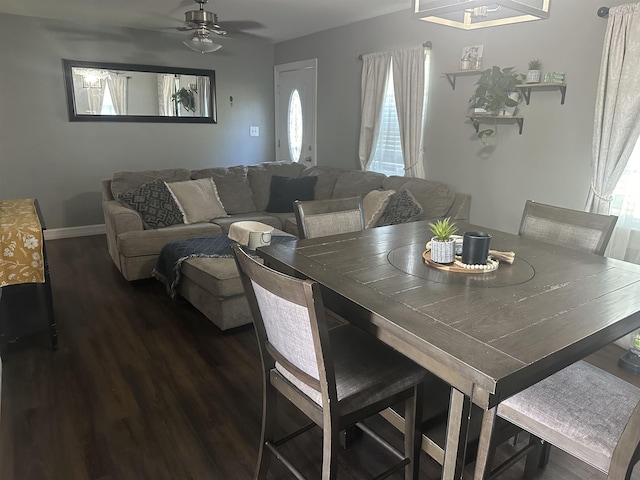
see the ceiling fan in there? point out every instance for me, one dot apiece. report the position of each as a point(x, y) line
point(203, 23)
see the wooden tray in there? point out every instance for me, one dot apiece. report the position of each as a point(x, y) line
point(492, 265)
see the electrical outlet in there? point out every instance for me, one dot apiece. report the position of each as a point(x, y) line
point(254, 131)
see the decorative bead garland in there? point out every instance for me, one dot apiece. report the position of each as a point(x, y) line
point(491, 264)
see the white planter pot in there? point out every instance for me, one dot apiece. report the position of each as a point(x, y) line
point(511, 111)
point(443, 252)
point(533, 76)
point(465, 64)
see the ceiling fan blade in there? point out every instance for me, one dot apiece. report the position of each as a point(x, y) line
point(236, 25)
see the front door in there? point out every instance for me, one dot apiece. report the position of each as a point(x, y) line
point(295, 92)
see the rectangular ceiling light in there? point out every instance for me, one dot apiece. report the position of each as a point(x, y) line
point(472, 14)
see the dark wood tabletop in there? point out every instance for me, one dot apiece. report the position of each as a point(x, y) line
point(489, 335)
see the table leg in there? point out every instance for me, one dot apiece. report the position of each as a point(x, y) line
point(484, 444)
point(457, 432)
point(53, 329)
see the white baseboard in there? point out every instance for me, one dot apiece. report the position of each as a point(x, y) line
point(70, 232)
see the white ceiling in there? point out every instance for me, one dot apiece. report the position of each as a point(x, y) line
point(279, 20)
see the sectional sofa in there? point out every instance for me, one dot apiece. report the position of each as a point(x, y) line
point(139, 223)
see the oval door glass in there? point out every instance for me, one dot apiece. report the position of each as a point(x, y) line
point(294, 126)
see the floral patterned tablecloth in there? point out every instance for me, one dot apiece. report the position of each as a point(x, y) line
point(21, 257)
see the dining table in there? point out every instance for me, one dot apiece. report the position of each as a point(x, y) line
point(489, 334)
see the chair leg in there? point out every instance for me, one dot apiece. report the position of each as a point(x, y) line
point(534, 460)
point(269, 411)
point(330, 444)
point(412, 432)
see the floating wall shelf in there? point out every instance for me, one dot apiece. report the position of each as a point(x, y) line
point(451, 76)
point(496, 118)
point(526, 89)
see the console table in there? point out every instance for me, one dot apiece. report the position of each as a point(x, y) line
point(24, 270)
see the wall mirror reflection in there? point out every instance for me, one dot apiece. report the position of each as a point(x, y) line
point(116, 92)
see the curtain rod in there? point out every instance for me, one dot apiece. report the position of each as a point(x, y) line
point(427, 45)
point(603, 12)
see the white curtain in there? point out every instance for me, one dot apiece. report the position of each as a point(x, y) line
point(166, 88)
point(617, 119)
point(409, 90)
point(375, 70)
point(202, 85)
point(118, 90)
point(616, 131)
point(95, 96)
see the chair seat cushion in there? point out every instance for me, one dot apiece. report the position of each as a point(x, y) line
point(581, 409)
point(366, 370)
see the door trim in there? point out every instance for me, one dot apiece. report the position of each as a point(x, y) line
point(311, 63)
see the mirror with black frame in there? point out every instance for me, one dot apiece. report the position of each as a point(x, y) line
point(117, 92)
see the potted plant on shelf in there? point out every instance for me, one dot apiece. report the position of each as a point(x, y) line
point(186, 98)
point(443, 245)
point(496, 94)
point(534, 73)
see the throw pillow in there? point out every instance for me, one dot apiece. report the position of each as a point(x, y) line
point(286, 190)
point(155, 204)
point(374, 204)
point(198, 200)
point(402, 208)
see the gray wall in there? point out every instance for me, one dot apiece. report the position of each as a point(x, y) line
point(61, 163)
point(550, 162)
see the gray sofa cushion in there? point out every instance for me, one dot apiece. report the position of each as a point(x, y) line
point(435, 198)
point(357, 183)
point(233, 187)
point(127, 181)
point(327, 178)
point(260, 179)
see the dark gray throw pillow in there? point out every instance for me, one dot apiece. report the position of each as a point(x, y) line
point(402, 208)
point(286, 190)
point(155, 204)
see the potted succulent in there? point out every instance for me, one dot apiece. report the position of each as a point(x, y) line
point(533, 75)
point(443, 245)
point(186, 98)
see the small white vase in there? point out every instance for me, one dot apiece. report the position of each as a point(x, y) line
point(443, 251)
point(533, 76)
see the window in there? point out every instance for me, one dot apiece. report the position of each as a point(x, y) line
point(107, 102)
point(626, 196)
point(294, 122)
point(387, 156)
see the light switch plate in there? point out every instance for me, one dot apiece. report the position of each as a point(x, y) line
point(254, 131)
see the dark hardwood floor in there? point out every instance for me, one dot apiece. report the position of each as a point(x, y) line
point(145, 387)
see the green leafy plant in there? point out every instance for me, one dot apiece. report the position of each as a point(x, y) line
point(186, 98)
point(535, 64)
point(493, 89)
point(443, 229)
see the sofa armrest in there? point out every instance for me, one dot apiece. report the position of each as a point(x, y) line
point(460, 208)
point(121, 219)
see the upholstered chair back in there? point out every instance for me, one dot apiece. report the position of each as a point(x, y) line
point(568, 228)
point(320, 218)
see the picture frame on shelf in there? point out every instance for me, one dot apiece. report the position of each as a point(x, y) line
point(471, 57)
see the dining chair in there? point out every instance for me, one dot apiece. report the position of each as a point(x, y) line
point(565, 227)
point(337, 377)
point(585, 411)
point(578, 230)
point(319, 218)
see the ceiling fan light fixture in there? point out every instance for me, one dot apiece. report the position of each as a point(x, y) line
point(201, 42)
